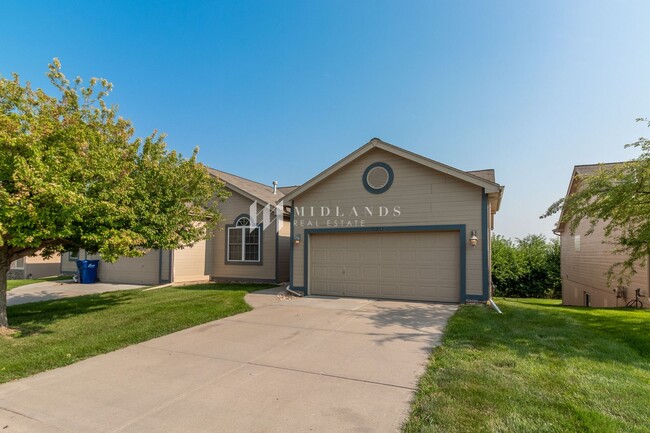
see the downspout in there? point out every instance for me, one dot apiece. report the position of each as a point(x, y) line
point(493, 305)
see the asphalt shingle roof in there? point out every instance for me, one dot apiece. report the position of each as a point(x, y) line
point(256, 189)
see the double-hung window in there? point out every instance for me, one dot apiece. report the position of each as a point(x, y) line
point(243, 242)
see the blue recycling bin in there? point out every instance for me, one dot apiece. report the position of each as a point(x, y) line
point(87, 271)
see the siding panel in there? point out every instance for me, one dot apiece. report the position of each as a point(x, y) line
point(189, 264)
point(586, 270)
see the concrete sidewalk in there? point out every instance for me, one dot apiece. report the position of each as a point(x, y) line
point(60, 289)
point(301, 365)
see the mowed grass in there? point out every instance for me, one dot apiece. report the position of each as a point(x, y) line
point(57, 333)
point(539, 367)
point(12, 284)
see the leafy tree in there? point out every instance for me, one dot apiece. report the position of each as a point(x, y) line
point(73, 176)
point(528, 267)
point(616, 197)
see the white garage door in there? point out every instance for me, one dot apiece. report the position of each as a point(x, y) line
point(415, 265)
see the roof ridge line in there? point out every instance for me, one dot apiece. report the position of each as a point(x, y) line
point(242, 177)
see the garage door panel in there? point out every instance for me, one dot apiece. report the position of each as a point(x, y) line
point(334, 272)
point(370, 288)
point(371, 273)
point(389, 256)
point(407, 273)
point(389, 289)
point(353, 272)
point(426, 274)
point(335, 256)
point(427, 256)
point(370, 258)
point(408, 256)
point(418, 266)
point(319, 271)
point(354, 289)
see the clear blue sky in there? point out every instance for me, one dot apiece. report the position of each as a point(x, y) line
point(283, 89)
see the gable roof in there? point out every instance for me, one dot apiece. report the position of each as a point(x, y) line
point(481, 178)
point(581, 170)
point(249, 188)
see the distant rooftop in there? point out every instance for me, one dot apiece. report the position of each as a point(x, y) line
point(590, 168)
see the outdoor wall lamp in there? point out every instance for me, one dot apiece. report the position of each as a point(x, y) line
point(473, 239)
point(296, 239)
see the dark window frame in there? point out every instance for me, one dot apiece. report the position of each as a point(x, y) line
point(243, 261)
point(389, 182)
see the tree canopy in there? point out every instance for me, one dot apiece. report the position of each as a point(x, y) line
point(72, 175)
point(617, 198)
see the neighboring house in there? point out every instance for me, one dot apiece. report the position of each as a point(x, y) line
point(585, 261)
point(384, 222)
point(155, 267)
point(34, 267)
point(235, 252)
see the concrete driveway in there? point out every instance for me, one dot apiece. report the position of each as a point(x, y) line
point(301, 365)
point(49, 290)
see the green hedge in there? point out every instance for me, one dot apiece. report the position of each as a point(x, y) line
point(526, 268)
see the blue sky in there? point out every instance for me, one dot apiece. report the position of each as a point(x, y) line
point(281, 90)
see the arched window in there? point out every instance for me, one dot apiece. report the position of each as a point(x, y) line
point(243, 222)
point(243, 242)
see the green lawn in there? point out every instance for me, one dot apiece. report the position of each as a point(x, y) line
point(539, 367)
point(57, 333)
point(12, 284)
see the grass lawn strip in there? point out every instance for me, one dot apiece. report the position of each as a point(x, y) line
point(12, 284)
point(539, 367)
point(56, 333)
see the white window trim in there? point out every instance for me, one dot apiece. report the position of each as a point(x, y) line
point(243, 244)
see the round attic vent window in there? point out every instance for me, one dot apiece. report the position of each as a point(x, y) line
point(378, 177)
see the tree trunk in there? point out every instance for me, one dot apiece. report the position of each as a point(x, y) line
point(4, 322)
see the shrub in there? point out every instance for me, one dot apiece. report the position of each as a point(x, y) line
point(526, 268)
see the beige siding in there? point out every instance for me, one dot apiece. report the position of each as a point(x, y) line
point(234, 206)
point(585, 270)
point(284, 245)
point(67, 265)
point(131, 270)
point(166, 266)
point(189, 264)
point(38, 267)
point(424, 197)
